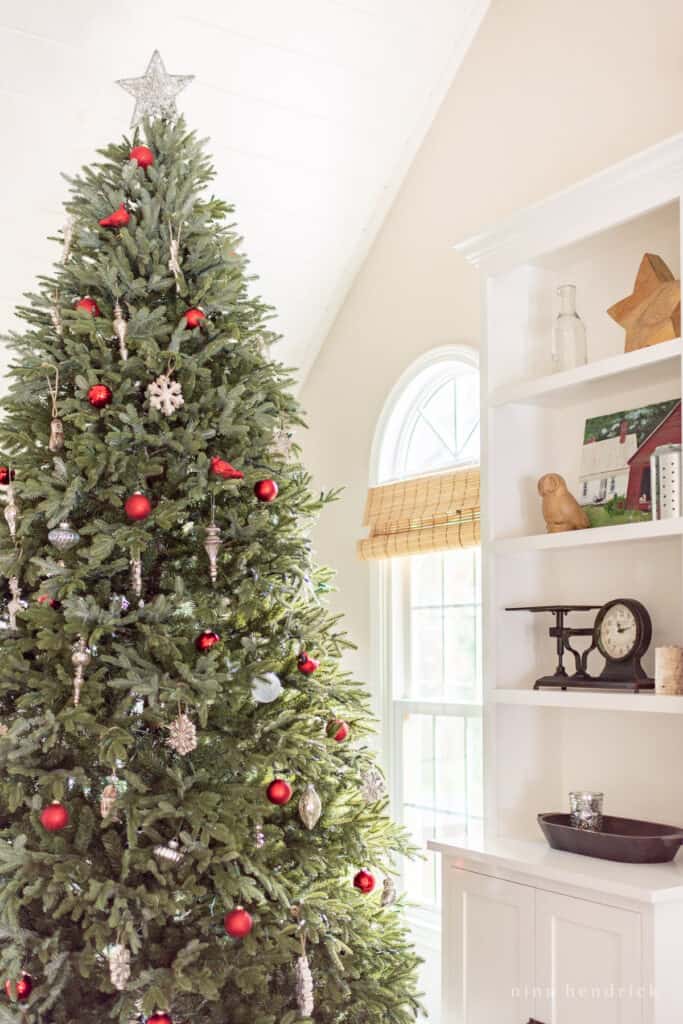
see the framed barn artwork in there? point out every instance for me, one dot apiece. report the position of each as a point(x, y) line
point(615, 484)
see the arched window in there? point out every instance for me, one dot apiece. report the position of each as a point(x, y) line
point(428, 618)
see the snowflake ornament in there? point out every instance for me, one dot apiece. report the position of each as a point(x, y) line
point(373, 786)
point(183, 735)
point(165, 394)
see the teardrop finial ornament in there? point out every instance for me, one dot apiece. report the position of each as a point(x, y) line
point(120, 326)
point(14, 605)
point(310, 806)
point(212, 545)
point(11, 512)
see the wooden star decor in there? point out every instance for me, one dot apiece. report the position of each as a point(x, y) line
point(653, 312)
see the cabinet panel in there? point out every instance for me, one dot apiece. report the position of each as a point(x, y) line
point(488, 950)
point(588, 962)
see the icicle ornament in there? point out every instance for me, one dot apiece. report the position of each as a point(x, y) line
point(183, 735)
point(67, 238)
point(304, 987)
point(310, 807)
point(120, 326)
point(14, 605)
point(80, 659)
point(56, 439)
point(136, 576)
point(119, 966)
point(11, 512)
point(174, 256)
point(212, 545)
point(56, 317)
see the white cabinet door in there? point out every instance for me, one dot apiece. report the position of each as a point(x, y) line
point(488, 950)
point(588, 962)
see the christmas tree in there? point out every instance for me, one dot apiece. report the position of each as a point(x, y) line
point(191, 827)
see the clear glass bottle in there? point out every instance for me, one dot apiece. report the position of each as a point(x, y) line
point(569, 333)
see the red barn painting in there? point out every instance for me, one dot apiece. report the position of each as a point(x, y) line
point(639, 492)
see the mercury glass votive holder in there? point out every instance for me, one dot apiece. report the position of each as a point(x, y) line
point(586, 809)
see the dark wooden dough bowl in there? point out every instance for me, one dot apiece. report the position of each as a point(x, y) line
point(622, 839)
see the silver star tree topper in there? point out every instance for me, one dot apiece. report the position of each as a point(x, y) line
point(155, 92)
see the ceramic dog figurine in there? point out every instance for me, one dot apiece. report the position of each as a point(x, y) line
point(561, 510)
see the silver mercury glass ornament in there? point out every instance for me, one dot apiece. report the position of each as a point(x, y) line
point(310, 807)
point(170, 852)
point(11, 512)
point(212, 545)
point(110, 795)
point(56, 442)
point(120, 326)
point(63, 537)
point(136, 576)
point(80, 659)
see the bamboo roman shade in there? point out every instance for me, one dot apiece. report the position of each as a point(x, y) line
point(431, 513)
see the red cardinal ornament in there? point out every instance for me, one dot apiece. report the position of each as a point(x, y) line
point(238, 923)
point(143, 156)
point(88, 305)
point(24, 988)
point(279, 792)
point(219, 467)
point(99, 396)
point(265, 490)
point(5, 475)
point(118, 219)
point(193, 317)
point(159, 1018)
point(306, 664)
point(138, 506)
point(338, 730)
point(206, 640)
point(46, 599)
point(364, 881)
point(54, 817)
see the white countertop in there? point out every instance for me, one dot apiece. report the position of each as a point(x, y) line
point(644, 883)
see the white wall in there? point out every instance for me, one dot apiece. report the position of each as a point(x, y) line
point(550, 92)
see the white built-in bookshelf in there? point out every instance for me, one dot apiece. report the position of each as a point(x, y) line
point(541, 744)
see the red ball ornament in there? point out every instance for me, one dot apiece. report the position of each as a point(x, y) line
point(265, 490)
point(99, 396)
point(52, 601)
point(159, 1018)
point(338, 730)
point(143, 156)
point(364, 881)
point(238, 923)
point(54, 817)
point(118, 219)
point(193, 317)
point(89, 305)
point(279, 792)
point(138, 506)
point(206, 640)
point(307, 665)
point(219, 467)
point(6, 475)
point(24, 987)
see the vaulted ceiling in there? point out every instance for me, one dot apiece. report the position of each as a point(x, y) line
point(314, 109)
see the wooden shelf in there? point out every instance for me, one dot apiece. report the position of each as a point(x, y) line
point(657, 363)
point(627, 532)
point(591, 701)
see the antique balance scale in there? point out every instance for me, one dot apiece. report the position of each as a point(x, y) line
point(621, 633)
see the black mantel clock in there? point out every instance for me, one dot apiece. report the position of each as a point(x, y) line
point(621, 633)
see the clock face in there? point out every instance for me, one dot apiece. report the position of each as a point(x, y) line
point(618, 632)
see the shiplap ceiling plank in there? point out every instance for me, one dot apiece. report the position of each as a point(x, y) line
point(314, 109)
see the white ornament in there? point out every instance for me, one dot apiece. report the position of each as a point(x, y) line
point(282, 443)
point(67, 238)
point(120, 326)
point(4, 729)
point(80, 659)
point(165, 394)
point(110, 795)
point(183, 738)
point(119, 966)
point(388, 892)
point(170, 852)
point(265, 688)
point(373, 786)
point(15, 604)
